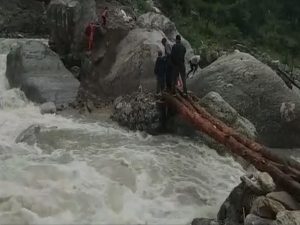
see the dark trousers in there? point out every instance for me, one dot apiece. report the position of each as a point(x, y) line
point(179, 70)
point(193, 69)
point(104, 21)
point(160, 85)
point(169, 76)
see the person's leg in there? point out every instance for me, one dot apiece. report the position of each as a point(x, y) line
point(195, 68)
point(183, 77)
point(157, 85)
point(103, 21)
point(175, 78)
point(163, 83)
point(169, 77)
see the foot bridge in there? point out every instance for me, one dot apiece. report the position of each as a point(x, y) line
point(284, 171)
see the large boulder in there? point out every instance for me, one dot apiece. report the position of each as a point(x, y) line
point(67, 22)
point(133, 64)
point(19, 18)
point(257, 93)
point(38, 71)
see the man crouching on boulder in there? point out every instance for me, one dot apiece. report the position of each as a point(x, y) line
point(160, 72)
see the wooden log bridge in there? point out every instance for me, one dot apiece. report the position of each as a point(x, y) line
point(284, 171)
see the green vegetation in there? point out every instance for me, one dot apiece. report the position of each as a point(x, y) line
point(271, 25)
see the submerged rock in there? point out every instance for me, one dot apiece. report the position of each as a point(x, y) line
point(29, 135)
point(256, 92)
point(38, 71)
point(48, 108)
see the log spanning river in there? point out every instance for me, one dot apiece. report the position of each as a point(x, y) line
point(87, 171)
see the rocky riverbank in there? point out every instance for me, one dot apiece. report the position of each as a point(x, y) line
point(256, 201)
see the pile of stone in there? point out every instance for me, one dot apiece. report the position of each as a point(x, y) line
point(137, 111)
point(257, 201)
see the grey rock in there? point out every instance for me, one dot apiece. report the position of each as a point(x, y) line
point(285, 199)
point(257, 94)
point(266, 182)
point(252, 184)
point(132, 67)
point(29, 135)
point(20, 18)
point(237, 205)
point(218, 107)
point(288, 218)
point(38, 71)
point(266, 208)
point(68, 20)
point(256, 220)
point(48, 108)
point(137, 111)
point(202, 221)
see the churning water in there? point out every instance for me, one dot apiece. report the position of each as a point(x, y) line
point(87, 172)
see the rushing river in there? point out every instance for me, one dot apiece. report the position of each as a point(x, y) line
point(94, 172)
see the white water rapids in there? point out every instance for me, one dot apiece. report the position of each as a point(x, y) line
point(87, 172)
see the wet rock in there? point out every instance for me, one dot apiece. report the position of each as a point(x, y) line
point(256, 220)
point(38, 71)
point(48, 108)
point(256, 92)
point(236, 205)
point(29, 135)
point(285, 199)
point(288, 218)
point(266, 182)
point(204, 222)
point(137, 111)
point(266, 208)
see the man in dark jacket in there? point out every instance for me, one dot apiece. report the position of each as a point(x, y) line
point(160, 72)
point(178, 56)
point(169, 73)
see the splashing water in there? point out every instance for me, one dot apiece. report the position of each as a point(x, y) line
point(87, 172)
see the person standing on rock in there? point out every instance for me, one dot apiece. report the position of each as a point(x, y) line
point(104, 16)
point(168, 61)
point(177, 57)
point(160, 72)
point(194, 63)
